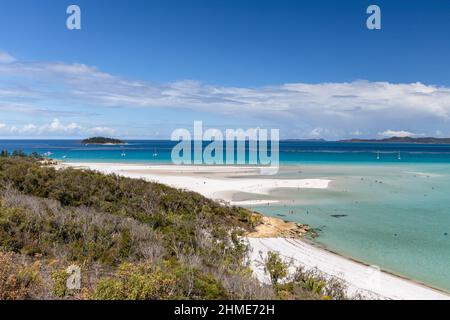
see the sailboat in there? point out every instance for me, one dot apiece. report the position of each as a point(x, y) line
point(155, 154)
point(399, 156)
point(378, 155)
point(123, 154)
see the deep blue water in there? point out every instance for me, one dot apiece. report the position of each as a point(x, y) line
point(291, 152)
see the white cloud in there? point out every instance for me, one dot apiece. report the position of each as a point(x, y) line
point(54, 128)
point(6, 58)
point(28, 128)
point(319, 132)
point(401, 134)
point(336, 108)
point(103, 130)
point(339, 100)
point(357, 133)
point(57, 126)
point(72, 126)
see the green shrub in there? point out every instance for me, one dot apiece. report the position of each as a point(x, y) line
point(59, 279)
point(136, 282)
point(276, 268)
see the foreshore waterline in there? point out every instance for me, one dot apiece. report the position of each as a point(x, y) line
point(216, 185)
point(390, 272)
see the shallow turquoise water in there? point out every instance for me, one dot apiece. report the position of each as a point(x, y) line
point(397, 216)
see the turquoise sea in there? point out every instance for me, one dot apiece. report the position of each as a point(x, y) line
point(388, 204)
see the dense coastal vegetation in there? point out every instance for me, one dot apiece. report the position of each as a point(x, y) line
point(132, 239)
point(102, 140)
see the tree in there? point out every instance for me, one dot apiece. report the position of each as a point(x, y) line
point(18, 153)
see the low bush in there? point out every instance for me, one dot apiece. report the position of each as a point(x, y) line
point(17, 279)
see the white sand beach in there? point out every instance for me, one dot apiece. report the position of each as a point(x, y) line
point(221, 183)
point(217, 183)
point(367, 281)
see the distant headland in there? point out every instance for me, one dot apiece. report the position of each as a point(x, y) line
point(423, 140)
point(102, 140)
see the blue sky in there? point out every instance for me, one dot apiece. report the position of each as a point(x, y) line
point(139, 68)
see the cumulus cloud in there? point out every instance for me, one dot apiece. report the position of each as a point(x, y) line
point(28, 128)
point(6, 57)
point(338, 109)
point(400, 133)
point(55, 127)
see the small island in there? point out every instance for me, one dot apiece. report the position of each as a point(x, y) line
point(421, 140)
point(102, 140)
